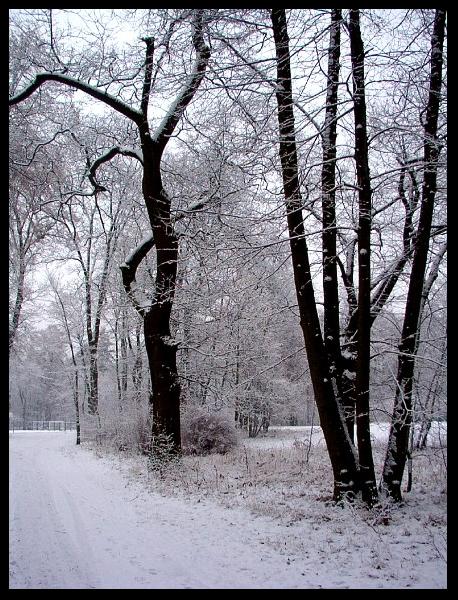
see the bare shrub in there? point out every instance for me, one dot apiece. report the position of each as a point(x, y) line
point(207, 433)
point(162, 454)
point(125, 433)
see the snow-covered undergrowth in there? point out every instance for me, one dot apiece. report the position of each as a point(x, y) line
point(286, 476)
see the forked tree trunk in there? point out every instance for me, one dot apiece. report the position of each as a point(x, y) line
point(398, 442)
point(340, 449)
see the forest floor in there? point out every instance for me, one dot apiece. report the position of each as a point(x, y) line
point(258, 517)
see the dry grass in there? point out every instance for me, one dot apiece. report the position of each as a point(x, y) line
point(286, 478)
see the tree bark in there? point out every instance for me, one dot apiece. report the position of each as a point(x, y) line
point(366, 463)
point(340, 449)
point(14, 325)
point(402, 412)
point(328, 182)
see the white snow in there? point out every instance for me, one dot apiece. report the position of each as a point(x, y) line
point(349, 374)
point(82, 521)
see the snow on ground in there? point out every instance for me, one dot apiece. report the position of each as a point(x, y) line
point(284, 435)
point(82, 521)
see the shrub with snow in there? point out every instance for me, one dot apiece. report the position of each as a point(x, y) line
point(125, 433)
point(207, 433)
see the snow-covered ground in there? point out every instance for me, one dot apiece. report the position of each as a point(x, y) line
point(284, 435)
point(82, 521)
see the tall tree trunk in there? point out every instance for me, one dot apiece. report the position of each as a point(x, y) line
point(341, 370)
point(328, 183)
point(93, 400)
point(14, 325)
point(340, 449)
point(366, 463)
point(137, 369)
point(75, 366)
point(124, 359)
point(77, 404)
point(117, 365)
point(402, 412)
point(160, 347)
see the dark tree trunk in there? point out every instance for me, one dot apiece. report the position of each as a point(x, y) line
point(339, 447)
point(77, 406)
point(93, 400)
point(341, 370)
point(137, 369)
point(348, 351)
point(14, 325)
point(117, 365)
point(160, 347)
point(396, 455)
point(124, 359)
point(366, 463)
point(165, 385)
point(328, 183)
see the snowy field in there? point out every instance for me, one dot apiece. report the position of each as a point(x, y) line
point(284, 436)
point(257, 518)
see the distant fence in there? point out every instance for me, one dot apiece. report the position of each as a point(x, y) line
point(16, 423)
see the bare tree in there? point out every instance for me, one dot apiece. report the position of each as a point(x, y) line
point(71, 345)
point(339, 446)
point(402, 413)
point(161, 349)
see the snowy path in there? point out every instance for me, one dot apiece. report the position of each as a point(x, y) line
point(78, 521)
point(74, 523)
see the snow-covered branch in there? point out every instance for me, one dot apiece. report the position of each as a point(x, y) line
point(107, 157)
point(111, 101)
point(176, 110)
point(149, 41)
point(129, 270)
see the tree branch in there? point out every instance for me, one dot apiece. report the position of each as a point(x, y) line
point(176, 110)
point(107, 157)
point(149, 41)
point(129, 270)
point(133, 260)
point(115, 103)
point(273, 85)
